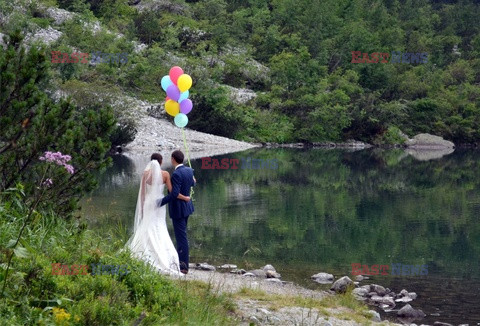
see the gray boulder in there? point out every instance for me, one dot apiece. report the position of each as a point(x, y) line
point(383, 300)
point(366, 287)
point(238, 271)
point(360, 292)
point(428, 141)
point(269, 268)
point(380, 290)
point(272, 274)
point(409, 312)
point(405, 296)
point(228, 266)
point(258, 273)
point(342, 284)
point(249, 275)
point(205, 267)
point(360, 278)
point(323, 278)
point(438, 323)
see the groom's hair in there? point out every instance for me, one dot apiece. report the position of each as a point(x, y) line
point(178, 156)
point(158, 157)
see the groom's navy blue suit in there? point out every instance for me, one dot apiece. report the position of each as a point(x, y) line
point(180, 210)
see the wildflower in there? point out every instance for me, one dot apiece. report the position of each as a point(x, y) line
point(59, 159)
point(60, 315)
point(69, 168)
point(48, 182)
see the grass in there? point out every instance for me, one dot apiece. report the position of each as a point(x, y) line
point(36, 297)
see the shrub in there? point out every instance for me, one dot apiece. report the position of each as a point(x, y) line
point(32, 124)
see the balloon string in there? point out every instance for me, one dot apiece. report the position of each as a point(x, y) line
point(186, 147)
point(188, 158)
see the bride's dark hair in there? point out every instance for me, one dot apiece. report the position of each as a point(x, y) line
point(158, 157)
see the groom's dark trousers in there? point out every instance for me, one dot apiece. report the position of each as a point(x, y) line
point(180, 210)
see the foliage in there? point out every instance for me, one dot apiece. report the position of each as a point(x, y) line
point(296, 55)
point(31, 124)
point(35, 296)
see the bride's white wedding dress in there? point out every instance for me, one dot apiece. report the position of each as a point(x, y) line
point(151, 241)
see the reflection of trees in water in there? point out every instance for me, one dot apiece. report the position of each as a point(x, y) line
point(326, 207)
point(120, 174)
point(336, 207)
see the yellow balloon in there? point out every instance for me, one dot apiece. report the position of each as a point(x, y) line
point(172, 107)
point(184, 82)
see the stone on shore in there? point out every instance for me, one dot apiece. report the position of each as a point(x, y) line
point(409, 312)
point(272, 274)
point(249, 275)
point(388, 301)
point(380, 290)
point(258, 273)
point(238, 271)
point(205, 267)
point(341, 285)
point(360, 291)
point(228, 266)
point(323, 278)
point(428, 141)
point(269, 268)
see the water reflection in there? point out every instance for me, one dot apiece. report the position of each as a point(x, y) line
point(323, 210)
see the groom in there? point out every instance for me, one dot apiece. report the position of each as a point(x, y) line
point(179, 210)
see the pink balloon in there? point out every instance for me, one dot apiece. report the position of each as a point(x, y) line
point(186, 106)
point(173, 92)
point(175, 72)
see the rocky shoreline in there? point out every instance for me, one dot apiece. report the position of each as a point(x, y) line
point(419, 142)
point(251, 310)
point(228, 278)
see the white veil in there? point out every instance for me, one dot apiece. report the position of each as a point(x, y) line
point(151, 241)
point(150, 191)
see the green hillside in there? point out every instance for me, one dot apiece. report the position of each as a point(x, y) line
point(296, 55)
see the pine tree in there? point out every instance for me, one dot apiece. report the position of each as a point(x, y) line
point(32, 123)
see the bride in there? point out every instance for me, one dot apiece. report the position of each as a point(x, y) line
point(150, 240)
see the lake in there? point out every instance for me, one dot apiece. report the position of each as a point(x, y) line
point(322, 210)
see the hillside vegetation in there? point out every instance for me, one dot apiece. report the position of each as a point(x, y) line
point(294, 54)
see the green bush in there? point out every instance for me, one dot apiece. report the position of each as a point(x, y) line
point(393, 136)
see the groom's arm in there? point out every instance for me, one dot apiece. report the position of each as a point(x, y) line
point(175, 190)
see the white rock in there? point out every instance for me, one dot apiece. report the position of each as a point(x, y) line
point(269, 268)
point(323, 278)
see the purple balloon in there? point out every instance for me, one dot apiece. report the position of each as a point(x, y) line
point(173, 92)
point(186, 106)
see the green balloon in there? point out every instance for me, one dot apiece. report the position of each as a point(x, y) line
point(181, 120)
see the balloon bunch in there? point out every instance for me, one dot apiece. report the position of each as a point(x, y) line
point(177, 103)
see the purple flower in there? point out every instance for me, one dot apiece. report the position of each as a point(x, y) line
point(69, 168)
point(59, 159)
